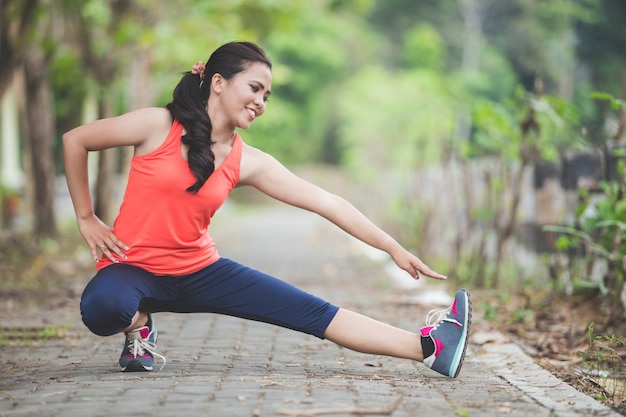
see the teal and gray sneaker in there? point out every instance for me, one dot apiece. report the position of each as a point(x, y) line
point(140, 349)
point(444, 338)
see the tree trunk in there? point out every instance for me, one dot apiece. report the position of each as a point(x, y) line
point(14, 31)
point(141, 94)
point(39, 131)
point(114, 164)
point(105, 181)
point(11, 176)
point(472, 16)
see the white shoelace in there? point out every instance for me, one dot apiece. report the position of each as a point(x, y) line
point(435, 317)
point(139, 346)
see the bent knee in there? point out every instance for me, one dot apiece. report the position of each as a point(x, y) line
point(105, 317)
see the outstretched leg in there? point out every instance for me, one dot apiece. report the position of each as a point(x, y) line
point(364, 334)
point(441, 344)
point(227, 287)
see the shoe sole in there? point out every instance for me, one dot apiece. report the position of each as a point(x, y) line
point(466, 330)
point(136, 366)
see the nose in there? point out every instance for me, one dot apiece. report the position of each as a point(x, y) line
point(259, 102)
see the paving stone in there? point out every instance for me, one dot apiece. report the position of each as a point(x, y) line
point(223, 366)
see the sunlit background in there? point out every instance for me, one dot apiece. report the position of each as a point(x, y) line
point(484, 134)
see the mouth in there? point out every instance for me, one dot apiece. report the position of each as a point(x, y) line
point(251, 113)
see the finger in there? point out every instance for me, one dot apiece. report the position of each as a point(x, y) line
point(118, 251)
point(119, 243)
point(107, 252)
point(94, 252)
point(435, 275)
point(439, 277)
point(429, 273)
point(117, 246)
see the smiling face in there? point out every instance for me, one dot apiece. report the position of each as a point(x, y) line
point(236, 102)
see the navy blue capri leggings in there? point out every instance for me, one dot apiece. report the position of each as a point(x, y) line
point(118, 291)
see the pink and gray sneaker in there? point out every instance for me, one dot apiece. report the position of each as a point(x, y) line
point(444, 338)
point(140, 349)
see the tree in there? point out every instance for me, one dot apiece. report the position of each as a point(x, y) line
point(39, 130)
point(601, 50)
point(315, 57)
point(16, 17)
point(16, 20)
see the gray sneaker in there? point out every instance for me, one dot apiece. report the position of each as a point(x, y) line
point(140, 349)
point(444, 338)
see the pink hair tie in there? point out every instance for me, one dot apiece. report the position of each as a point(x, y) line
point(198, 68)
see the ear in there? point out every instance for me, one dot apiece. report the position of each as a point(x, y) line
point(217, 83)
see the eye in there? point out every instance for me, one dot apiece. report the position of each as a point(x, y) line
point(255, 89)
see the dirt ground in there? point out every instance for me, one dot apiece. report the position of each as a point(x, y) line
point(555, 331)
point(572, 337)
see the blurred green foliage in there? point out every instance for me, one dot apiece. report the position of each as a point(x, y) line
point(347, 73)
point(378, 87)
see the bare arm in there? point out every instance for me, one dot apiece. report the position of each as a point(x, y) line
point(142, 129)
point(265, 173)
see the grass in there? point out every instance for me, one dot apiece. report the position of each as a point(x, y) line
point(28, 335)
point(39, 272)
point(605, 365)
point(30, 264)
point(562, 334)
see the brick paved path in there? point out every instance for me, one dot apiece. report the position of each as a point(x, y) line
point(222, 366)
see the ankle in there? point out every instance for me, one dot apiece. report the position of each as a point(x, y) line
point(428, 346)
point(140, 319)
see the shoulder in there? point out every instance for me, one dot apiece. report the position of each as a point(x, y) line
point(255, 157)
point(251, 153)
point(142, 123)
point(136, 128)
point(156, 124)
point(255, 163)
point(157, 118)
point(265, 173)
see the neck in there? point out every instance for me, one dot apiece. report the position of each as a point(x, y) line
point(222, 132)
point(226, 136)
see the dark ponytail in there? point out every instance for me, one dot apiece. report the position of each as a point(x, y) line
point(189, 108)
point(190, 98)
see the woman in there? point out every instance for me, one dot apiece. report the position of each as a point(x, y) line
point(159, 255)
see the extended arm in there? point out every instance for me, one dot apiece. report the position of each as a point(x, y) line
point(265, 173)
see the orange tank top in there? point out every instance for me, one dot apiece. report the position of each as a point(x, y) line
point(166, 227)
